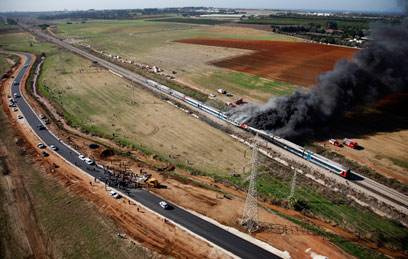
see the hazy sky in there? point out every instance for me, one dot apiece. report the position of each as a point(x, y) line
point(47, 5)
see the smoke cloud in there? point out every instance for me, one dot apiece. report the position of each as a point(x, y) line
point(381, 68)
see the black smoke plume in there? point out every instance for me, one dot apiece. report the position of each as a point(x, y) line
point(379, 69)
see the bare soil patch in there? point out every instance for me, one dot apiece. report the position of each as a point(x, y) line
point(296, 62)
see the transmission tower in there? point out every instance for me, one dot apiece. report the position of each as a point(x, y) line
point(250, 214)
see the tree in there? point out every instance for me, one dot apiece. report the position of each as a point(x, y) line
point(332, 25)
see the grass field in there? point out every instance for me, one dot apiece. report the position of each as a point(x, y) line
point(152, 42)
point(191, 21)
point(335, 209)
point(22, 41)
point(242, 84)
point(5, 64)
point(99, 102)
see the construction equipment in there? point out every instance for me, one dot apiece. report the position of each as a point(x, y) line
point(153, 182)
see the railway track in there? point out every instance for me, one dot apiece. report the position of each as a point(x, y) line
point(368, 186)
point(380, 189)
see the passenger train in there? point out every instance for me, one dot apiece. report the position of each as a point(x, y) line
point(283, 143)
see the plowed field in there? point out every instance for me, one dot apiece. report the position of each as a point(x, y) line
point(299, 63)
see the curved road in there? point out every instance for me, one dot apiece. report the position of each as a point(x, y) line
point(206, 230)
point(365, 185)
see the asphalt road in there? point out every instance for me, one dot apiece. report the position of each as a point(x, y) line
point(208, 231)
point(365, 185)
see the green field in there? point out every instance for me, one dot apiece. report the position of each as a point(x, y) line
point(243, 84)
point(192, 21)
point(333, 208)
point(4, 64)
point(22, 41)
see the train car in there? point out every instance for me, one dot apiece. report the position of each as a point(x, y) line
point(283, 143)
point(304, 153)
point(178, 95)
point(192, 102)
point(205, 108)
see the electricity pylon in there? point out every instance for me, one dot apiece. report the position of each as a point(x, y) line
point(250, 214)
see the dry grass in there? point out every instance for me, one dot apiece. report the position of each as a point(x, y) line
point(154, 43)
point(95, 99)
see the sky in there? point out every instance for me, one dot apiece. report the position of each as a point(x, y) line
point(53, 5)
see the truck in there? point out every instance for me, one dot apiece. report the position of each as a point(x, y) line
point(350, 143)
point(334, 142)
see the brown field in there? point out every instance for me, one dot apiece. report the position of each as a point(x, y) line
point(294, 62)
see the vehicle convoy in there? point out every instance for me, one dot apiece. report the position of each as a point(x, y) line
point(283, 143)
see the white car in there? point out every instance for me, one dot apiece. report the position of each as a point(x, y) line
point(82, 157)
point(89, 161)
point(114, 194)
point(41, 145)
point(53, 147)
point(164, 205)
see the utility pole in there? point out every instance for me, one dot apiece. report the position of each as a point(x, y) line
point(250, 213)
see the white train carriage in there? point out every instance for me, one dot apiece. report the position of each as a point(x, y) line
point(304, 153)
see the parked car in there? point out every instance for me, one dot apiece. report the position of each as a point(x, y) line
point(53, 147)
point(42, 116)
point(82, 157)
point(164, 205)
point(45, 154)
point(41, 145)
point(20, 117)
point(89, 161)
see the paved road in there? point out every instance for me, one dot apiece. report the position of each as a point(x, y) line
point(208, 231)
point(364, 184)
